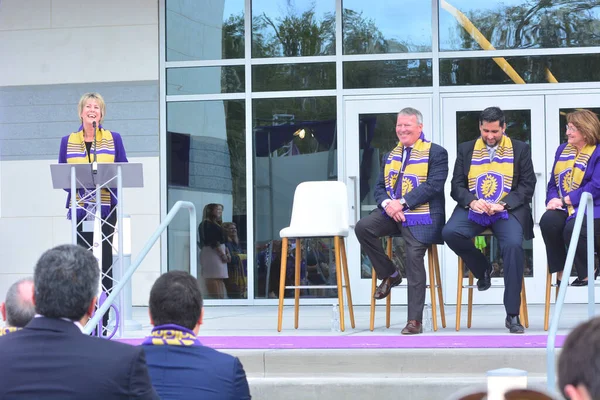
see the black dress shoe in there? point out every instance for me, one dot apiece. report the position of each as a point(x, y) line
point(486, 282)
point(386, 286)
point(579, 282)
point(513, 324)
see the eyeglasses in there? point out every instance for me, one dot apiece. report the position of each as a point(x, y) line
point(570, 128)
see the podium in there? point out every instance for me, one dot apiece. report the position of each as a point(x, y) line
point(110, 176)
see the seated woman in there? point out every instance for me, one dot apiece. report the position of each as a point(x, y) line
point(576, 170)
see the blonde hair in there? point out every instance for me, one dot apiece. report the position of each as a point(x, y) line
point(94, 96)
point(587, 124)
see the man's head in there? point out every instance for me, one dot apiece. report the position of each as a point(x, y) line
point(175, 298)
point(409, 125)
point(579, 362)
point(18, 309)
point(66, 282)
point(492, 125)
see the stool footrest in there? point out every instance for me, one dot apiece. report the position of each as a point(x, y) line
point(314, 287)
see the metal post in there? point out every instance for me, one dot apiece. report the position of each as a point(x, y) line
point(121, 269)
point(193, 244)
point(586, 205)
point(73, 206)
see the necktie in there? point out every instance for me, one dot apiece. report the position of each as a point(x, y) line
point(492, 151)
point(399, 181)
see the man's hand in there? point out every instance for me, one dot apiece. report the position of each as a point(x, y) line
point(495, 208)
point(554, 204)
point(394, 211)
point(481, 206)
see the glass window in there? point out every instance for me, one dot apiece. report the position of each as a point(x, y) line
point(517, 24)
point(534, 69)
point(518, 126)
point(387, 73)
point(309, 76)
point(206, 80)
point(199, 31)
point(295, 140)
point(208, 144)
point(386, 26)
point(291, 28)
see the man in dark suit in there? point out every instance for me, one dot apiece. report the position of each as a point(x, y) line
point(50, 358)
point(180, 366)
point(410, 203)
point(491, 202)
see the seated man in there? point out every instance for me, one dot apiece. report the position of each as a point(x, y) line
point(492, 184)
point(50, 358)
point(410, 198)
point(180, 366)
point(579, 362)
point(18, 309)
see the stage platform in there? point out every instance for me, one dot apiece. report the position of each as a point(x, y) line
point(313, 363)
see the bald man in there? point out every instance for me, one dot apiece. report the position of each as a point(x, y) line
point(18, 309)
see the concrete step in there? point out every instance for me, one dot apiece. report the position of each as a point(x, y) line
point(427, 374)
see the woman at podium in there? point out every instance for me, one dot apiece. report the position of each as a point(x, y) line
point(93, 143)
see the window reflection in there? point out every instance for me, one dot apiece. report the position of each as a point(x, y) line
point(207, 166)
point(197, 32)
point(387, 73)
point(386, 26)
point(295, 140)
point(534, 69)
point(205, 80)
point(305, 76)
point(517, 24)
point(291, 28)
point(518, 126)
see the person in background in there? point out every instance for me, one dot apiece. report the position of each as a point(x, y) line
point(576, 170)
point(78, 148)
point(579, 362)
point(51, 357)
point(236, 282)
point(214, 255)
point(18, 309)
point(180, 366)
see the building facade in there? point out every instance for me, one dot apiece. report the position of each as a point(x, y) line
point(235, 102)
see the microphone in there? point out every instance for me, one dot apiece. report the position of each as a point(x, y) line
point(95, 162)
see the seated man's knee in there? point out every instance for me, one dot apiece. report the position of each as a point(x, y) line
point(449, 235)
point(360, 229)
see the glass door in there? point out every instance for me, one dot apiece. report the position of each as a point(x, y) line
point(370, 132)
point(557, 108)
point(525, 121)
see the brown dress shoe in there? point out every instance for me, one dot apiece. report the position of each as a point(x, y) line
point(413, 328)
point(386, 286)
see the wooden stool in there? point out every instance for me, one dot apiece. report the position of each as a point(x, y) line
point(461, 267)
point(435, 281)
point(341, 266)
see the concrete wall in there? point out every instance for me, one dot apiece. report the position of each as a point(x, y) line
point(53, 51)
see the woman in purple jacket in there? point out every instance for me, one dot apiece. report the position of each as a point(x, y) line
point(78, 148)
point(576, 170)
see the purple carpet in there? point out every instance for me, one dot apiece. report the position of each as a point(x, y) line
point(372, 342)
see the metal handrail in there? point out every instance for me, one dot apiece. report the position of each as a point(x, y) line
point(586, 203)
point(89, 327)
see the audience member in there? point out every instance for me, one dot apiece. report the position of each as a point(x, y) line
point(180, 366)
point(18, 309)
point(50, 358)
point(579, 362)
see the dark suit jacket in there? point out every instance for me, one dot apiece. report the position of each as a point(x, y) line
point(431, 191)
point(521, 192)
point(181, 372)
point(51, 359)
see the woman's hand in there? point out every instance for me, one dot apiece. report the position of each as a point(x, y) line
point(554, 204)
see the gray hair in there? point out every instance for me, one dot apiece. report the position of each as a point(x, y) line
point(408, 111)
point(19, 306)
point(65, 282)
